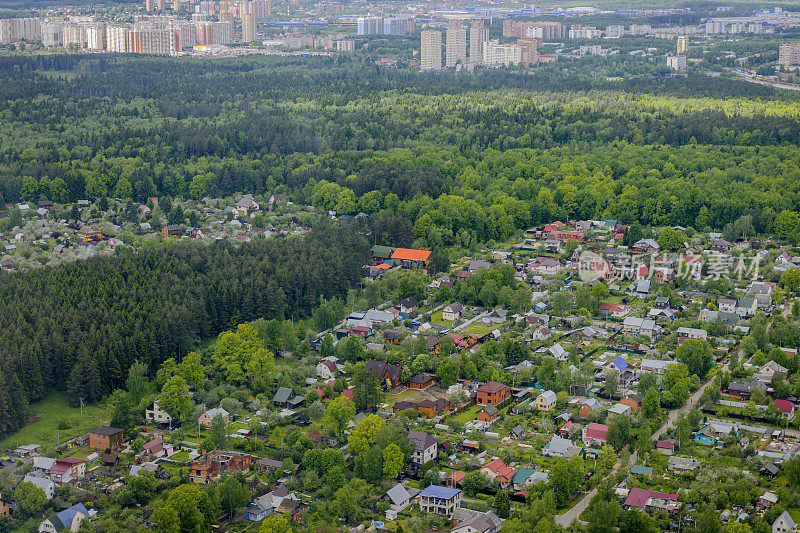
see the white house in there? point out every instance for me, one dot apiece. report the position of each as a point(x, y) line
point(784, 524)
point(47, 485)
point(67, 520)
point(558, 352)
point(425, 447)
point(154, 413)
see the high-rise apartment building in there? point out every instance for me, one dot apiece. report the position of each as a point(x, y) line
point(683, 44)
point(20, 29)
point(615, 31)
point(430, 57)
point(95, 37)
point(496, 54)
point(249, 32)
point(789, 53)
point(477, 36)
point(117, 39)
point(456, 46)
point(387, 26)
point(540, 29)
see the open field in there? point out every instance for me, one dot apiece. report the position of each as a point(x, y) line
point(50, 412)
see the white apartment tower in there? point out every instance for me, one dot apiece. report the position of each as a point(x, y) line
point(430, 57)
point(456, 51)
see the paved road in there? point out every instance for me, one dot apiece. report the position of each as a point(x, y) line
point(573, 514)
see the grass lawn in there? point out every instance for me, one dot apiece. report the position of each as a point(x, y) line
point(478, 328)
point(468, 415)
point(50, 412)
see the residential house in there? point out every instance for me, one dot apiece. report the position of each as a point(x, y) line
point(663, 275)
point(408, 305)
point(285, 397)
point(498, 316)
point(207, 418)
point(246, 204)
point(665, 447)
point(268, 503)
point(647, 499)
point(105, 438)
point(218, 462)
point(641, 470)
point(492, 393)
point(487, 413)
point(452, 311)
point(479, 523)
point(155, 414)
point(721, 246)
point(69, 519)
point(497, 470)
point(386, 373)
point(545, 266)
point(327, 369)
point(784, 524)
point(640, 326)
point(594, 433)
point(786, 407)
point(768, 500)
point(425, 447)
point(746, 307)
point(7, 508)
point(421, 381)
point(614, 310)
point(680, 465)
point(559, 447)
point(46, 484)
point(634, 401)
point(646, 246)
point(440, 500)
point(172, 230)
point(770, 372)
point(770, 470)
point(478, 264)
point(655, 366)
point(409, 257)
point(400, 497)
point(542, 333)
point(619, 409)
point(558, 352)
point(525, 478)
point(587, 407)
point(726, 305)
point(545, 401)
point(691, 333)
point(67, 469)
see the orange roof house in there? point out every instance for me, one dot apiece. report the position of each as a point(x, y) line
point(410, 257)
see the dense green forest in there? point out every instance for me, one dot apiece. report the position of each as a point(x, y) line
point(78, 327)
point(657, 151)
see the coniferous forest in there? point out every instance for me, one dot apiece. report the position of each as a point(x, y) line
point(79, 326)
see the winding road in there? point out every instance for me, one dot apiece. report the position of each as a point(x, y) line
point(575, 512)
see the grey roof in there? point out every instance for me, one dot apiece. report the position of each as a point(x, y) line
point(787, 520)
point(398, 494)
point(217, 411)
point(422, 441)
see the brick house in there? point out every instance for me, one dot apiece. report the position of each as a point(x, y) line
point(105, 438)
point(492, 393)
